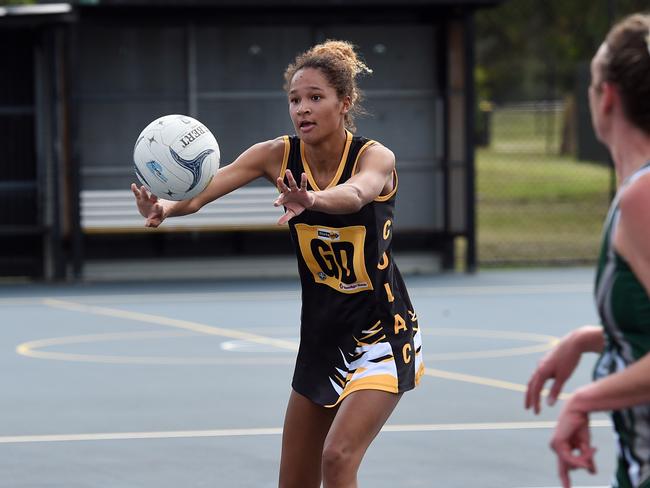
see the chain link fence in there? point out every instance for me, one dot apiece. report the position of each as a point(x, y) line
point(537, 204)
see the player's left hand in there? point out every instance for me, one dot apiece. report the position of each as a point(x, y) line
point(572, 443)
point(295, 199)
point(557, 365)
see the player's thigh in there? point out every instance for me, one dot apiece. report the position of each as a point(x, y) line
point(359, 419)
point(305, 427)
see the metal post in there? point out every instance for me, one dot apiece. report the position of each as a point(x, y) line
point(443, 43)
point(44, 170)
point(73, 162)
point(470, 172)
point(60, 141)
point(192, 90)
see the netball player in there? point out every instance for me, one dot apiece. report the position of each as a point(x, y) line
point(619, 99)
point(359, 339)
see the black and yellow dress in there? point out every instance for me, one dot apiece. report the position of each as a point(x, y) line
point(358, 328)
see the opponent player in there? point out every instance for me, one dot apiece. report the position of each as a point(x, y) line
point(359, 340)
point(619, 99)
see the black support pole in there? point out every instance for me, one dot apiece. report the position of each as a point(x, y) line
point(470, 173)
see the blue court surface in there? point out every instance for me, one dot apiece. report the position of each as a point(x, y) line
point(184, 383)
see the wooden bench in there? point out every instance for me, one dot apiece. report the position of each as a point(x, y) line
point(115, 212)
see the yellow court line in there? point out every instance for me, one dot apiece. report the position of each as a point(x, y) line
point(547, 342)
point(488, 334)
point(489, 353)
point(178, 434)
point(480, 380)
point(34, 349)
point(177, 323)
point(234, 334)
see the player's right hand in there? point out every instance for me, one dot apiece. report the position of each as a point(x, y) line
point(148, 206)
point(572, 442)
point(293, 197)
point(558, 365)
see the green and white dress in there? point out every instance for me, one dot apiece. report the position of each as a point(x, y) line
point(624, 309)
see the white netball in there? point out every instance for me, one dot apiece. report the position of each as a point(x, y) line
point(176, 157)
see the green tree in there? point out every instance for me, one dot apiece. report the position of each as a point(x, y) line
point(529, 49)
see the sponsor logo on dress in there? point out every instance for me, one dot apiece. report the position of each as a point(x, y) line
point(353, 286)
point(328, 235)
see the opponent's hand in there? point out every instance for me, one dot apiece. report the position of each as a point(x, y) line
point(558, 365)
point(572, 443)
point(148, 206)
point(295, 199)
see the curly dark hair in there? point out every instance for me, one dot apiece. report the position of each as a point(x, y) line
point(339, 62)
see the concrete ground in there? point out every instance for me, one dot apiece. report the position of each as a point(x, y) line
point(184, 383)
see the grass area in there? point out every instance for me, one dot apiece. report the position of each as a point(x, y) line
point(533, 206)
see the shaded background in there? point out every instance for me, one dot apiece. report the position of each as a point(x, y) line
point(517, 179)
point(543, 182)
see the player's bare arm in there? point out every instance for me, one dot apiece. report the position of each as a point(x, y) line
point(632, 239)
point(373, 178)
point(263, 159)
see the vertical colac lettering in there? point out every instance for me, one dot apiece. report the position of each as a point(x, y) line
point(387, 227)
point(400, 324)
point(406, 353)
point(389, 293)
point(383, 264)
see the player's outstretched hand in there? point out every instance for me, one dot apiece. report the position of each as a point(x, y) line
point(558, 365)
point(572, 443)
point(295, 199)
point(148, 206)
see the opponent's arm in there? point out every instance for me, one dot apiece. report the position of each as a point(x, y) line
point(374, 175)
point(560, 363)
point(571, 438)
point(632, 240)
point(631, 386)
point(262, 159)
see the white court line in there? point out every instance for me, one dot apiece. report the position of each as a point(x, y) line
point(429, 291)
point(122, 436)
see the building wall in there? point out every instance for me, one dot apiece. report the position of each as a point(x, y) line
point(98, 74)
point(230, 77)
point(21, 232)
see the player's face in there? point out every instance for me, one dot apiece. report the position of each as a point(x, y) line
point(315, 109)
point(596, 92)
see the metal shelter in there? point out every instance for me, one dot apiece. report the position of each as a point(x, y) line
point(82, 79)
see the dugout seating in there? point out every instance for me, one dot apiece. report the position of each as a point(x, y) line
point(247, 208)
